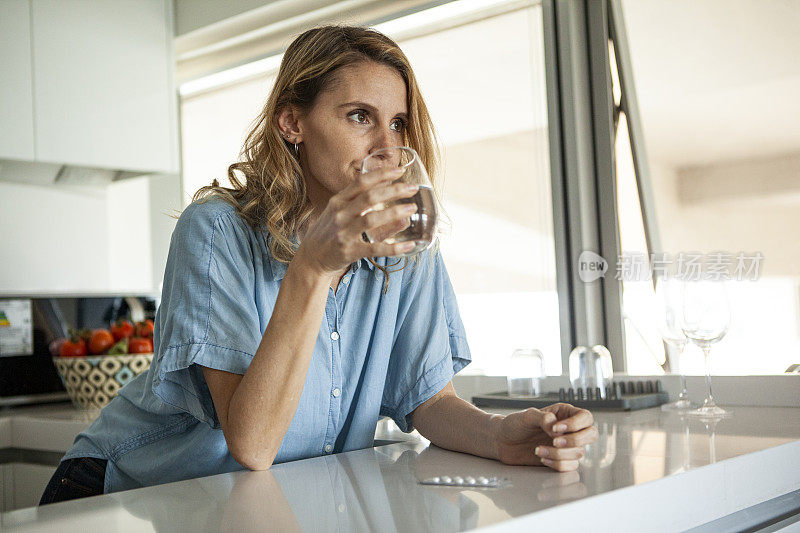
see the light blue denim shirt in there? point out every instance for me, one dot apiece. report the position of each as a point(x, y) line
point(376, 355)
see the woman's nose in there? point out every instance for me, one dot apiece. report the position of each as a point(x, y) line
point(382, 139)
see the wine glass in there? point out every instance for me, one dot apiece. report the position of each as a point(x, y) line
point(422, 224)
point(705, 320)
point(668, 310)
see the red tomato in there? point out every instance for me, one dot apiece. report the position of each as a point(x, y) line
point(85, 334)
point(101, 341)
point(140, 345)
point(74, 347)
point(145, 329)
point(121, 329)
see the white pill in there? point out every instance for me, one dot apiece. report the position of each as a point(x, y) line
point(471, 480)
point(483, 481)
point(434, 479)
point(446, 479)
point(458, 480)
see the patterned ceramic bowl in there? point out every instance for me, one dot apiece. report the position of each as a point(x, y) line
point(93, 381)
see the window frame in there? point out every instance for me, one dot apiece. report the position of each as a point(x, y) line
point(581, 122)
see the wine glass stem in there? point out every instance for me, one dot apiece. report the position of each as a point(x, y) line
point(706, 353)
point(684, 395)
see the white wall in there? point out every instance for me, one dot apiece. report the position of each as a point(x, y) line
point(165, 203)
point(55, 239)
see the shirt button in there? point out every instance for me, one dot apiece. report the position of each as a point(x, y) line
point(328, 448)
point(341, 507)
point(345, 279)
point(335, 335)
point(336, 392)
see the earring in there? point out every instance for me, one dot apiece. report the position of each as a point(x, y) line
point(296, 149)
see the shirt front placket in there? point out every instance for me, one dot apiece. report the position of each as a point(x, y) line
point(333, 314)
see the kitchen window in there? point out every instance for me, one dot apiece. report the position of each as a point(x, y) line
point(489, 106)
point(718, 108)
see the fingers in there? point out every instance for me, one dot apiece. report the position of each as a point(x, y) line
point(559, 454)
point(395, 216)
point(561, 410)
point(539, 418)
point(379, 195)
point(570, 418)
point(349, 224)
point(381, 233)
point(579, 438)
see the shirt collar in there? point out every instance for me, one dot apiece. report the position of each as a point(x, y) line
point(278, 268)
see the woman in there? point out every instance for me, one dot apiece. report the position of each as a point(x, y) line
point(275, 338)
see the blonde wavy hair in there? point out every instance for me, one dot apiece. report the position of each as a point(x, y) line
point(273, 194)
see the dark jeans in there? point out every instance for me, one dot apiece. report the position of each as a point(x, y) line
point(75, 478)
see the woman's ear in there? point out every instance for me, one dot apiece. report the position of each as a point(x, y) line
point(289, 125)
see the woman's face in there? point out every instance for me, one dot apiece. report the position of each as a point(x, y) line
point(364, 109)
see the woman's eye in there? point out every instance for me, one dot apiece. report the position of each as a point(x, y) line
point(360, 116)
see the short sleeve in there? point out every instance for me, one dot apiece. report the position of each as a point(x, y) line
point(430, 344)
point(208, 314)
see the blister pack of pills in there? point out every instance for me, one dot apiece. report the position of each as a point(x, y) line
point(467, 481)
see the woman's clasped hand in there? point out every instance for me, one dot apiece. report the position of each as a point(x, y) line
point(554, 436)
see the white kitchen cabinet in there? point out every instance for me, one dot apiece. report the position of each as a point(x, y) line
point(103, 89)
point(44, 432)
point(16, 96)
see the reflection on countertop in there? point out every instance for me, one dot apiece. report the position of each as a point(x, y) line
point(377, 488)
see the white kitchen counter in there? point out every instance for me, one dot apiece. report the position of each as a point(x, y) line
point(649, 470)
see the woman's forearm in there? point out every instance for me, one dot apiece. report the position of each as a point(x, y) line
point(263, 404)
point(455, 424)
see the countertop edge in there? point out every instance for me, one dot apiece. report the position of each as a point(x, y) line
point(694, 498)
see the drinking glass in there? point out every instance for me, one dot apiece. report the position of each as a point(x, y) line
point(668, 310)
point(525, 372)
point(705, 320)
point(422, 224)
point(590, 369)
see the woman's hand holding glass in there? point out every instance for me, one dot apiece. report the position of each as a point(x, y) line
point(423, 223)
point(335, 239)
